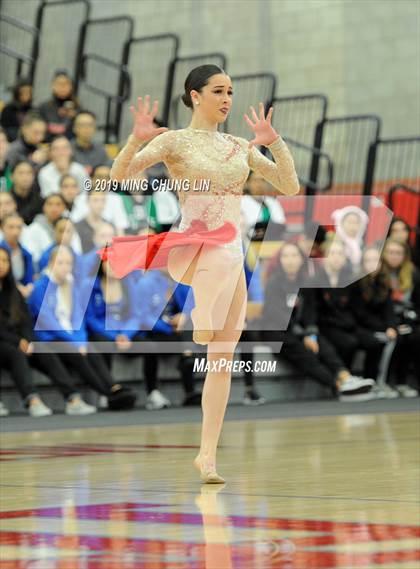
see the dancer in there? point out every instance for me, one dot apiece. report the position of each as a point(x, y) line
point(206, 250)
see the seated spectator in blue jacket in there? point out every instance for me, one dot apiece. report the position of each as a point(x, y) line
point(39, 235)
point(165, 309)
point(113, 311)
point(63, 235)
point(59, 309)
point(22, 266)
point(103, 234)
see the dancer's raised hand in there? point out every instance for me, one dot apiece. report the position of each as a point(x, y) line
point(264, 132)
point(143, 117)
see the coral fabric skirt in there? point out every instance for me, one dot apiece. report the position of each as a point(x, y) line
point(128, 253)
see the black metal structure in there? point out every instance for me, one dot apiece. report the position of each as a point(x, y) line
point(21, 58)
point(111, 126)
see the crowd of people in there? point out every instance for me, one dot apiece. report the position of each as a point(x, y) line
point(328, 301)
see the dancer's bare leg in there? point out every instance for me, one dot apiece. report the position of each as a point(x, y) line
point(217, 383)
point(208, 271)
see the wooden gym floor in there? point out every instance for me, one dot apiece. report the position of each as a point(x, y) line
point(313, 492)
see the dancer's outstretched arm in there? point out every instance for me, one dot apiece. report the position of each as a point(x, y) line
point(281, 173)
point(133, 158)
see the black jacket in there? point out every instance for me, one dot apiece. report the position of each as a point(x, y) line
point(373, 314)
point(287, 307)
point(13, 332)
point(333, 304)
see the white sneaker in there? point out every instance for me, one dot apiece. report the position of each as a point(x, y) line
point(38, 409)
point(79, 407)
point(385, 392)
point(4, 411)
point(354, 385)
point(156, 400)
point(103, 402)
point(406, 390)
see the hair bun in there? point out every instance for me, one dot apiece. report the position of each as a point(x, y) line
point(186, 100)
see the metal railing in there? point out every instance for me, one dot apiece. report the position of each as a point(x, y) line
point(111, 127)
point(21, 58)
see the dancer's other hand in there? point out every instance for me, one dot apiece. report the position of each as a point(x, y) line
point(143, 127)
point(264, 132)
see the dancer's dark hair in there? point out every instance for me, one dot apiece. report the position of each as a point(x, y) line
point(198, 78)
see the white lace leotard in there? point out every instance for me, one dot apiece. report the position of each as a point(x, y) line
point(225, 160)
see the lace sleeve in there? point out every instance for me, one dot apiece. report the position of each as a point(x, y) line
point(129, 164)
point(281, 173)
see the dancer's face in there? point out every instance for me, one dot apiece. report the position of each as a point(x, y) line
point(215, 99)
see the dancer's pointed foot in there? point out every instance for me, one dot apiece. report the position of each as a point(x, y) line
point(203, 333)
point(208, 473)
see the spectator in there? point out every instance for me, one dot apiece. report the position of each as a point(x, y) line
point(401, 231)
point(16, 331)
point(262, 211)
point(371, 304)
point(112, 313)
point(310, 242)
point(63, 235)
point(28, 145)
point(61, 163)
point(140, 210)
point(39, 235)
point(290, 316)
point(405, 285)
point(95, 201)
point(70, 190)
point(85, 151)
point(24, 191)
point(337, 320)
point(113, 209)
point(103, 234)
point(5, 170)
point(14, 112)
point(7, 206)
point(165, 311)
point(351, 222)
point(21, 259)
point(59, 111)
point(58, 309)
